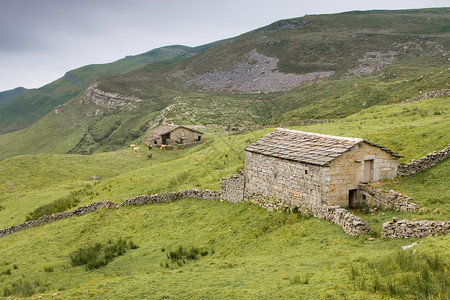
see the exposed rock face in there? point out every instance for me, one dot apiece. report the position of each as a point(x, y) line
point(376, 197)
point(415, 229)
point(423, 163)
point(108, 101)
point(62, 215)
point(258, 74)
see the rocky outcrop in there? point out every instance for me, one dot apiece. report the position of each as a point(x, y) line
point(414, 229)
point(108, 101)
point(169, 197)
point(423, 163)
point(374, 197)
point(58, 216)
point(427, 95)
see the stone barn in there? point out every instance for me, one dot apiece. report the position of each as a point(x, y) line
point(295, 167)
point(171, 135)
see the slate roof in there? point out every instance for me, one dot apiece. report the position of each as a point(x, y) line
point(306, 147)
point(165, 129)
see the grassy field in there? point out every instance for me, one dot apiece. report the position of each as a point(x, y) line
point(251, 253)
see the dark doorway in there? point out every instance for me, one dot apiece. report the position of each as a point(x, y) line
point(164, 138)
point(352, 198)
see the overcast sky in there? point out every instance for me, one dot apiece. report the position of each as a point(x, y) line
point(40, 40)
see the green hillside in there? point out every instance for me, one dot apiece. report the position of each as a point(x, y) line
point(314, 67)
point(248, 252)
point(26, 110)
point(8, 96)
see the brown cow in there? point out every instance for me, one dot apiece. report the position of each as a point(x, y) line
point(149, 156)
point(162, 147)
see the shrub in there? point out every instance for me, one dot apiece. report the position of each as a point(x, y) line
point(61, 204)
point(405, 275)
point(48, 269)
point(23, 288)
point(99, 255)
point(182, 255)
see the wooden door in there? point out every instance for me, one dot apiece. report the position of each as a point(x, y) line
point(368, 170)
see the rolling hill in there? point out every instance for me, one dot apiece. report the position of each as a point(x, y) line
point(314, 67)
point(29, 108)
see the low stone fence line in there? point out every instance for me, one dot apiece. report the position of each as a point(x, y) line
point(169, 197)
point(58, 216)
point(433, 94)
point(305, 122)
point(350, 223)
point(423, 163)
point(414, 229)
point(374, 197)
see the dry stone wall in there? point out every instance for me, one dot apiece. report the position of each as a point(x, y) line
point(423, 163)
point(350, 223)
point(374, 197)
point(58, 216)
point(414, 229)
point(433, 94)
point(232, 188)
point(169, 197)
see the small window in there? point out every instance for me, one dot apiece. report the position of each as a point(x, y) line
point(306, 172)
point(155, 142)
point(199, 138)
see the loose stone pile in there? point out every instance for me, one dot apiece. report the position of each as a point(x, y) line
point(423, 163)
point(378, 198)
point(414, 229)
point(58, 216)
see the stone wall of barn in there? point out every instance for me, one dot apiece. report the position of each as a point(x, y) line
point(289, 182)
point(232, 187)
point(347, 171)
point(185, 136)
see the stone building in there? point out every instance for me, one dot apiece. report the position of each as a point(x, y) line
point(297, 167)
point(171, 134)
point(59, 109)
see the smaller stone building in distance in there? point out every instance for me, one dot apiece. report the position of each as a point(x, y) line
point(300, 167)
point(172, 135)
point(59, 109)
